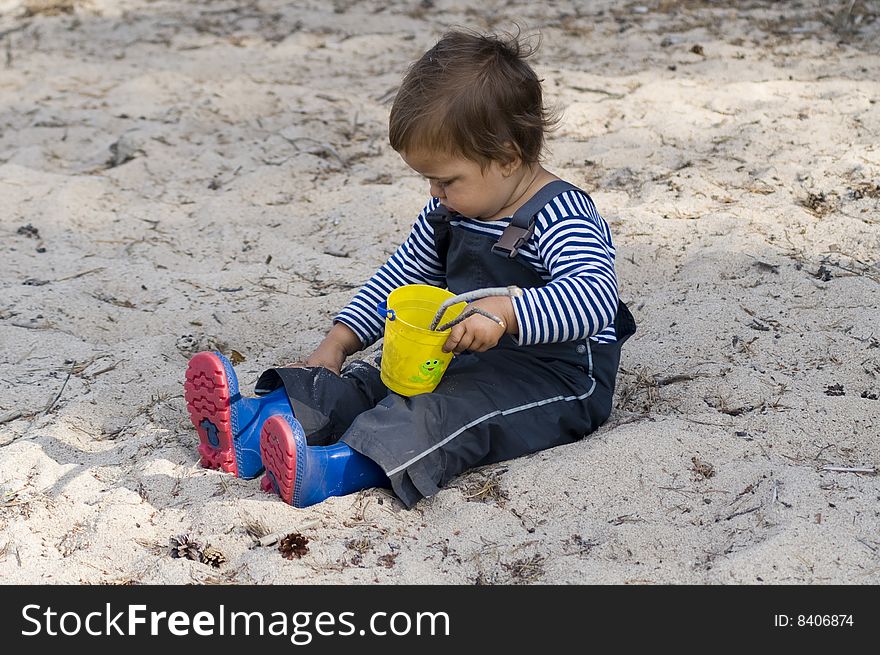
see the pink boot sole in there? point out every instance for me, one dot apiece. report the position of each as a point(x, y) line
point(207, 393)
point(278, 451)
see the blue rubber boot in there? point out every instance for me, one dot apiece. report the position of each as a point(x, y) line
point(304, 475)
point(228, 424)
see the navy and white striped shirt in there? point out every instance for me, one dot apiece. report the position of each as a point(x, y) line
point(571, 250)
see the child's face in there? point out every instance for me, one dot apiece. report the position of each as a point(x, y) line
point(463, 186)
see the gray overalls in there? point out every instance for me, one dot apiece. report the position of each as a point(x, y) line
point(497, 405)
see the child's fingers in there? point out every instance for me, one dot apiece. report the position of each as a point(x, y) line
point(467, 342)
point(477, 334)
point(454, 338)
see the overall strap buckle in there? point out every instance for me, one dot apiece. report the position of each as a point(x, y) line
point(512, 239)
point(439, 219)
point(440, 215)
point(522, 224)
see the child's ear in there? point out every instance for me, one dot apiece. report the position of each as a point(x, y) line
point(514, 159)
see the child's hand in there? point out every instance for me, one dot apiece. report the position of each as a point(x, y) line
point(478, 333)
point(323, 358)
point(327, 357)
point(339, 343)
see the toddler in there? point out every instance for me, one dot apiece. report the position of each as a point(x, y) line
point(470, 118)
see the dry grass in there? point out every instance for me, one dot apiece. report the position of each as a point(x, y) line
point(484, 488)
point(702, 470)
point(526, 569)
point(358, 547)
point(254, 527)
point(639, 391)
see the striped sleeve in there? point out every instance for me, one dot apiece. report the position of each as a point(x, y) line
point(414, 262)
point(580, 300)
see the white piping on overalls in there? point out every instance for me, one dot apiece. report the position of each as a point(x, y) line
point(502, 412)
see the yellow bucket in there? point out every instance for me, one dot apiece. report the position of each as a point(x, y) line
point(413, 360)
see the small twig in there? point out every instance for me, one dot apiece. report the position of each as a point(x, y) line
point(693, 420)
point(106, 369)
point(823, 449)
point(76, 275)
point(851, 469)
point(275, 537)
point(466, 314)
point(605, 92)
point(854, 271)
point(672, 379)
point(511, 291)
point(40, 326)
point(745, 511)
point(61, 391)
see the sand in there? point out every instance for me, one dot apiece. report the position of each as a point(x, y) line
point(180, 176)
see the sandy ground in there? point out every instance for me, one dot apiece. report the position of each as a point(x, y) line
point(179, 176)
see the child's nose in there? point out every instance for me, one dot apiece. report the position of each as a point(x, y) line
point(437, 191)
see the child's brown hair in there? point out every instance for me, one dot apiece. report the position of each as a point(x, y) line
point(475, 96)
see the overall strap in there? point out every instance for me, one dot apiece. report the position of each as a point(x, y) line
point(522, 224)
point(439, 218)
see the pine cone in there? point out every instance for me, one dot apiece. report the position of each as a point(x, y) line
point(212, 556)
point(293, 545)
point(185, 547)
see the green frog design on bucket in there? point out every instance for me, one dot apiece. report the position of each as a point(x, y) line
point(430, 372)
